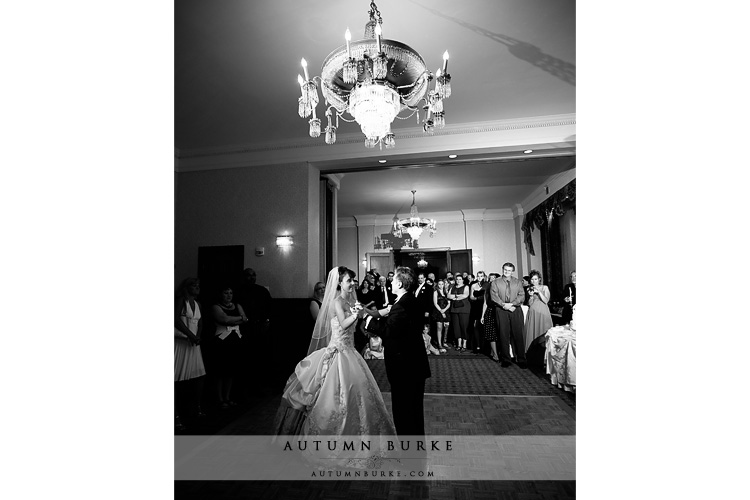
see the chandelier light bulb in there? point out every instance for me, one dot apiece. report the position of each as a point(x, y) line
point(445, 62)
point(348, 36)
point(304, 67)
point(300, 80)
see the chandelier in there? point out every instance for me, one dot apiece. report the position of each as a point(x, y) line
point(414, 224)
point(421, 263)
point(373, 80)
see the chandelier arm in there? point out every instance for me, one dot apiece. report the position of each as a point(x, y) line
point(413, 110)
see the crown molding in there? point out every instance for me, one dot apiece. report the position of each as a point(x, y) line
point(554, 184)
point(539, 133)
point(474, 214)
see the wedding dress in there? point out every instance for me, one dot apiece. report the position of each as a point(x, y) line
point(336, 393)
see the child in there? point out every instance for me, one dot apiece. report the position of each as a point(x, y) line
point(428, 340)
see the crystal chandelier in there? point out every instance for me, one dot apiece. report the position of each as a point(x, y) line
point(414, 224)
point(421, 263)
point(373, 80)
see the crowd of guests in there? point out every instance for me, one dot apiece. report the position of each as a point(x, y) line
point(462, 312)
point(239, 322)
point(496, 313)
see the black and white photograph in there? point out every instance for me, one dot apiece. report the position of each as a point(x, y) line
point(364, 221)
point(422, 153)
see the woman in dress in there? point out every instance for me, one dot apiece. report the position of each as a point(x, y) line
point(460, 310)
point(366, 294)
point(319, 290)
point(188, 359)
point(538, 320)
point(228, 317)
point(332, 391)
point(488, 320)
point(440, 306)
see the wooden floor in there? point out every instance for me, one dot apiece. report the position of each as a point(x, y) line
point(467, 395)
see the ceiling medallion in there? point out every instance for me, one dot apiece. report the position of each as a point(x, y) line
point(414, 224)
point(373, 80)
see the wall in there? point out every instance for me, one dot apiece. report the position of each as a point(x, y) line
point(251, 206)
point(492, 240)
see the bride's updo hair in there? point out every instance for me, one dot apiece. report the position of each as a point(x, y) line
point(343, 270)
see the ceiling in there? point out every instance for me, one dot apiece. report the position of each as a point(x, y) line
point(511, 61)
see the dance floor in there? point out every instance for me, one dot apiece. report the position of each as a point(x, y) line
point(467, 395)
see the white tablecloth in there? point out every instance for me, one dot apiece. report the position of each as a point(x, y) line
point(561, 357)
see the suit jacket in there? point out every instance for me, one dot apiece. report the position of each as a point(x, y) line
point(424, 298)
point(380, 297)
point(401, 331)
point(517, 294)
point(568, 290)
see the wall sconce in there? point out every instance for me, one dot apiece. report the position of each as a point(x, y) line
point(476, 259)
point(284, 241)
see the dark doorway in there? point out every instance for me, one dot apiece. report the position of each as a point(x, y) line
point(439, 262)
point(219, 267)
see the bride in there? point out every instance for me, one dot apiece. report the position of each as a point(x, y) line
point(332, 391)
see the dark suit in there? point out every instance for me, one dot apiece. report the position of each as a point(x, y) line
point(383, 296)
point(424, 300)
point(567, 314)
point(406, 364)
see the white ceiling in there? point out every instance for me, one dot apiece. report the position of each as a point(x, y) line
point(236, 64)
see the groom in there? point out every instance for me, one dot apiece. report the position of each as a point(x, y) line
point(406, 363)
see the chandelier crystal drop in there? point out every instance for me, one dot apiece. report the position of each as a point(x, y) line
point(373, 80)
point(414, 225)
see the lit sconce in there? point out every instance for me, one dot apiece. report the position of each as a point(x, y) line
point(476, 259)
point(284, 241)
point(364, 262)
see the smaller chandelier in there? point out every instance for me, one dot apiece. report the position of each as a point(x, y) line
point(373, 80)
point(414, 225)
point(421, 263)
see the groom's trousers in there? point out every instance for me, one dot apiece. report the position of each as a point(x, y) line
point(407, 397)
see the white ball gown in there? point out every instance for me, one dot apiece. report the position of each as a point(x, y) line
point(333, 393)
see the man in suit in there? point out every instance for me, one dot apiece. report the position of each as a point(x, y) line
point(423, 294)
point(507, 294)
point(406, 363)
point(569, 296)
point(383, 295)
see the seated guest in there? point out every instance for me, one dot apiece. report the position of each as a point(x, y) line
point(428, 340)
point(569, 297)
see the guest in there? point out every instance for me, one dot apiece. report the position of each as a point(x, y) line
point(365, 294)
point(319, 291)
point(228, 316)
point(431, 277)
point(423, 293)
point(508, 295)
point(428, 340)
point(488, 318)
point(526, 286)
point(460, 311)
point(538, 320)
point(476, 299)
point(383, 296)
point(569, 297)
point(188, 359)
point(440, 307)
point(257, 304)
